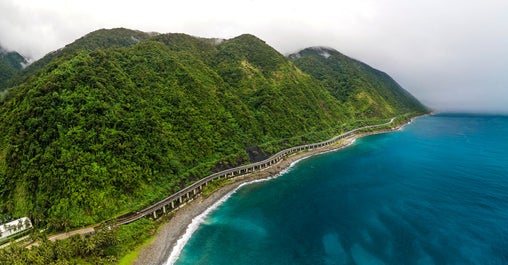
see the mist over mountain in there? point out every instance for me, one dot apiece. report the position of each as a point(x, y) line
point(120, 118)
point(352, 82)
point(11, 62)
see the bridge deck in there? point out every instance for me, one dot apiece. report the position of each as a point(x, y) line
point(177, 199)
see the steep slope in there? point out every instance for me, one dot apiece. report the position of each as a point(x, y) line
point(10, 64)
point(284, 101)
point(102, 130)
point(367, 91)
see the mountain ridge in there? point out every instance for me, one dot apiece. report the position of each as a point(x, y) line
point(346, 78)
point(98, 39)
point(108, 124)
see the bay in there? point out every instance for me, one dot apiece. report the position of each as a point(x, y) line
point(435, 192)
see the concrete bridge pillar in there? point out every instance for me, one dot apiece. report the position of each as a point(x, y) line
point(164, 209)
point(154, 214)
point(173, 205)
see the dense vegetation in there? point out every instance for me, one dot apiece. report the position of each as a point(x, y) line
point(106, 246)
point(10, 64)
point(120, 119)
point(99, 39)
point(364, 90)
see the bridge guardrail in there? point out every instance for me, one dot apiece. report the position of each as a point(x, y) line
point(245, 169)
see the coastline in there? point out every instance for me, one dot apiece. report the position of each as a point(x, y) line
point(167, 236)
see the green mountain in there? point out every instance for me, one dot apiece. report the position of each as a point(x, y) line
point(99, 39)
point(364, 90)
point(106, 126)
point(10, 64)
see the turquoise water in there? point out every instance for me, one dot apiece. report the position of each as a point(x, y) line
point(435, 192)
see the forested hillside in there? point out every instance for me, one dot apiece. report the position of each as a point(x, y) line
point(10, 64)
point(364, 90)
point(120, 119)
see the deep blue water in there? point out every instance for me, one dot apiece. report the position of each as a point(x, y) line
point(435, 192)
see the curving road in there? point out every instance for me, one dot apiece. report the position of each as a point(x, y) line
point(179, 198)
point(171, 202)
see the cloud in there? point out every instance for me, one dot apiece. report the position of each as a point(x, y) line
point(451, 54)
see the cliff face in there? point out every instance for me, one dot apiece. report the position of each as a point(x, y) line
point(121, 118)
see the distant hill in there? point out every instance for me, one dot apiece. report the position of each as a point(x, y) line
point(119, 118)
point(364, 90)
point(11, 63)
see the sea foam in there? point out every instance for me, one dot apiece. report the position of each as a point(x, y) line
point(201, 218)
point(192, 227)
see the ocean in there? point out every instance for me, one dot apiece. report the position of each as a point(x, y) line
point(435, 192)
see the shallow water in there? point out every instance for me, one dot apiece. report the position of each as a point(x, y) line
point(435, 192)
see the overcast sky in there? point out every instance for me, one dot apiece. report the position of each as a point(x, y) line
point(451, 54)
